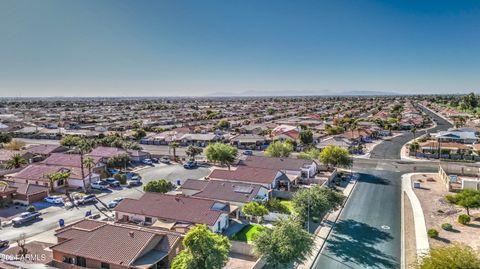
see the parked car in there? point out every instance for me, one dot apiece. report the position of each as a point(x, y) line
point(87, 199)
point(112, 171)
point(25, 217)
point(134, 181)
point(165, 160)
point(114, 202)
point(112, 182)
point(147, 162)
point(99, 185)
point(154, 160)
point(53, 200)
point(248, 152)
point(190, 165)
point(4, 243)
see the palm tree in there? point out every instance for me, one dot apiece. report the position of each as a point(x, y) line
point(193, 151)
point(89, 163)
point(174, 145)
point(414, 131)
point(16, 161)
point(60, 175)
point(84, 146)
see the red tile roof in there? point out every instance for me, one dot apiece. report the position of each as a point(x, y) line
point(176, 208)
point(112, 243)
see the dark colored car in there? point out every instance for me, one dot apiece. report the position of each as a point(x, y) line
point(4, 243)
point(248, 152)
point(190, 165)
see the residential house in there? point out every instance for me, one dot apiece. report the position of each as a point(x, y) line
point(457, 135)
point(175, 212)
point(291, 166)
point(248, 141)
point(102, 245)
point(285, 132)
point(236, 194)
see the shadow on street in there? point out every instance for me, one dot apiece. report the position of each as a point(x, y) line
point(352, 242)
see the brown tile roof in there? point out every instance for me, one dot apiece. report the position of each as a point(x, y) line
point(112, 243)
point(42, 149)
point(223, 190)
point(64, 159)
point(176, 208)
point(246, 174)
point(28, 189)
point(274, 163)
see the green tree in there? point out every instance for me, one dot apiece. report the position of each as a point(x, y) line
point(16, 161)
point(174, 145)
point(336, 156)
point(316, 201)
point(310, 154)
point(160, 185)
point(466, 198)
point(306, 136)
point(70, 141)
point(254, 209)
point(221, 153)
point(454, 256)
point(414, 146)
point(118, 161)
point(285, 243)
point(83, 146)
point(139, 134)
point(223, 124)
point(5, 137)
point(59, 176)
point(203, 249)
point(89, 163)
point(279, 149)
point(193, 151)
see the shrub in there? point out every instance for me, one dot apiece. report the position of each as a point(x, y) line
point(432, 233)
point(122, 178)
point(447, 226)
point(31, 209)
point(463, 219)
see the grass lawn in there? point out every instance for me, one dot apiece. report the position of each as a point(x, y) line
point(246, 233)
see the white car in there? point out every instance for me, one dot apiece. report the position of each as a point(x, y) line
point(114, 202)
point(99, 185)
point(53, 200)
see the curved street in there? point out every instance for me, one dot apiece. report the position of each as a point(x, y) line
point(368, 231)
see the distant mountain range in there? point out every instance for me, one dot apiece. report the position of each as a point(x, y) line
point(304, 93)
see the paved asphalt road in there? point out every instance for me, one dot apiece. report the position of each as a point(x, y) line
point(368, 231)
point(390, 149)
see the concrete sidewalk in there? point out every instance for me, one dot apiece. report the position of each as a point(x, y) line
point(323, 231)
point(421, 237)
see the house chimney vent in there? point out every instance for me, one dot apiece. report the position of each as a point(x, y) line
point(132, 234)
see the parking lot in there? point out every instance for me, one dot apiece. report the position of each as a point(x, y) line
point(51, 214)
point(172, 173)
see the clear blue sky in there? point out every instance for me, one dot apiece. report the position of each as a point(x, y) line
point(180, 47)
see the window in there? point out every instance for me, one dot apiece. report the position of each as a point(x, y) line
point(148, 220)
point(104, 265)
point(67, 259)
point(81, 261)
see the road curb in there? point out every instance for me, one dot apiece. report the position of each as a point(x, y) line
point(334, 223)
